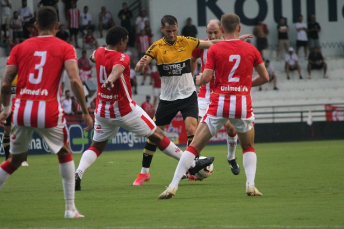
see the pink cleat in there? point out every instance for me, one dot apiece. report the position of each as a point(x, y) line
point(141, 178)
point(70, 214)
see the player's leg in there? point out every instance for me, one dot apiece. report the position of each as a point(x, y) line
point(245, 132)
point(19, 149)
point(206, 129)
point(232, 139)
point(104, 129)
point(189, 109)
point(6, 137)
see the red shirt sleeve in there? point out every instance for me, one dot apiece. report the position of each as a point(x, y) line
point(70, 53)
point(124, 60)
point(210, 59)
point(196, 53)
point(12, 60)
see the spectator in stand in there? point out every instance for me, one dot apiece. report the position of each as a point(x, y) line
point(4, 42)
point(133, 80)
point(92, 107)
point(5, 14)
point(156, 83)
point(32, 31)
point(142, 44)
point(189, 29)
point(291, 63)
point(52, 3)
point(301, 39)
point(25, 14)
point(63, 34)
point(140, 22)
point(272, 75)
point(148, 29)
point(283, 40)
point(16, 24)
point(68, 5)
point(148, 107)
point(73, 16)
point(85, 21)
point(261, 31)
point(105, 20)
point(67, 103)
point(85, 67)
point(89, 41)
point(125, 15)
point(316, 61)
point(313, 33)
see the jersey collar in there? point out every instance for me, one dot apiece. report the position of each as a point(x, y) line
point(168, 43)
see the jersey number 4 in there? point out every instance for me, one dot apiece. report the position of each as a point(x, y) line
point(231, 77)
point(39, 67)
point(102, 74)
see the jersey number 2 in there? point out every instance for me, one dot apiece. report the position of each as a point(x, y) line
point(39, 67)
point(237, 59)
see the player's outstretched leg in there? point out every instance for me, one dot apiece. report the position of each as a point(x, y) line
point(6, 170)
point(87, 159)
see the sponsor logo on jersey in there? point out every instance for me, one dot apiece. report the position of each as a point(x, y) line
point(175, 69)
point(104, 96)
point(239, 89)
point(34, 92)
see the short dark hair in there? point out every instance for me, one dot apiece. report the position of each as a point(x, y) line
point(46, 18)
point(115, 35)
point(169, 19)
point(230, 22)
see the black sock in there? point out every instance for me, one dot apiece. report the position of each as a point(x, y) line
point(190, 138)
point(148, 152)
point(6, 144)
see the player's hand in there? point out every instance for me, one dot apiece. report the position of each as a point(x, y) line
point(143, 62)
point(243, 37)
point(108, 84)
point(198, 80)
point(89, 121)
point(3, 117)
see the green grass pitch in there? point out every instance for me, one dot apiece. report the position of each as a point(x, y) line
point(302, 183)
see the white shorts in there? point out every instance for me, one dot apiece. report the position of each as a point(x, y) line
point(215, 123)
point(137, 122)
point(156, 92)
point(203, 105)
point(21, 137)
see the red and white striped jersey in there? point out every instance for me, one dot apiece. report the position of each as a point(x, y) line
point(73, 16)
point(40, 62)
point(144, 42)
point(233, 63)
point(206, 89)
point(113, 102)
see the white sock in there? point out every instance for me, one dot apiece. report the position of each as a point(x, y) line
point(250, 165)
point(184, 164)
point(87, 159)
point(144, 170)
point(171, 150)
point(231, 145)
point(68, 180)
point(3, 177)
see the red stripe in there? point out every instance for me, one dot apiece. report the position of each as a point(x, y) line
point(164, 143)
point(238, 107)
point(148, 122)
point(204, 118)
point(65, 158)
point(225, 112)
point(232, 135)
point(192, 150)
point(8, 167)
point(94, 149)
point(102, 110)
point(248, 149)
point(65, 136)
point(21, 112)
point(112, 112)
point(34, 114)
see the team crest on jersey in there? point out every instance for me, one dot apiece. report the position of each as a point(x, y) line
point(181, 49)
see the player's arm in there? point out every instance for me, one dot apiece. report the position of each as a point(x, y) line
point(142, 63)
point(193, 62)
point(204, 77)
point(92, 57)
point(262, 76)
point(78, 90)
point(116, 72)
point(206, 44)
point(10, 74)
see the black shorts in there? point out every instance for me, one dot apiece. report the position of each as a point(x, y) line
point(73, 31)
point(262, 43)
point(301, 43)
point(167, 110)
point(8, 120)
point(315, 66)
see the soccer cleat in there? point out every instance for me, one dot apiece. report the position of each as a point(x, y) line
point(251, 190)
point(24, 163)
point(234, 166)
point(168, 193)
point(70, 214)
point(200, 164)
point(77, 182)
point(141, 178)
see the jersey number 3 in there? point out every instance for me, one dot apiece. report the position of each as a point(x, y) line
point(39, 67)
point(237, 59)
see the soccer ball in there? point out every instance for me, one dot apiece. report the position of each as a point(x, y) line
point(206, 172)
